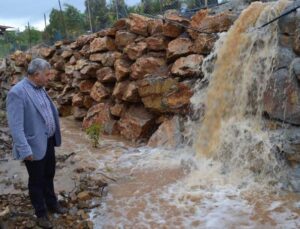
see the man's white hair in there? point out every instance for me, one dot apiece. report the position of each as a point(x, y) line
point(37, 65)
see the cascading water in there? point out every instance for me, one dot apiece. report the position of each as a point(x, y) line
point(227, 185)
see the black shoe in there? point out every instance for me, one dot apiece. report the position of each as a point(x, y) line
point(57, 209)
point(44, 222)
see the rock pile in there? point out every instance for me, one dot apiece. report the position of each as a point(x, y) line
point(129, 78)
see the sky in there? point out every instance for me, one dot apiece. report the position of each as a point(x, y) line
point(17, 13)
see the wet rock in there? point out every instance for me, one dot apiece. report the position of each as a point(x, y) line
point(284, 58)
point(145, 65)
point(295, 66)
point(136, 123)
point(178, 48)
point(157, 43)
point(138, 24)
point(79, 113)
point(189, 66)
point(204, 43)
point(98, 113)
point(124, 38)
point(84, 196)
point(135, 50)
point(105, 75)
point(102, 44)
point(99, 92)
point(122, 69)
point(282, 98)
point(168, 135)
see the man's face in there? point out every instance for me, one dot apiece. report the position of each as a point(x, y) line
point(42, 78)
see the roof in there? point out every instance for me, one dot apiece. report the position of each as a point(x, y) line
point(4, 27)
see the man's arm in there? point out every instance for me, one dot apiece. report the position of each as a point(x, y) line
point(15, 116)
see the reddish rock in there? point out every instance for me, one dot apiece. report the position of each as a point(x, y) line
point(123, 38)
point(135, 50)
point(69, 69)
point(64, 110)
point(282, 98)
point(157, 43)
point(179, 47)
point(121, 24)
point(90, 69)
point(138, 24)
point(105, 75)
point(77, 100)
point(189, 66)
point(107, 59)
point(145, 65)
point(204, 43)
point(168, 135)
point(131, 93)
point(79, 113)
point(67, 53)
point(72, 60)
point(211, 23)
point(21, 59)
point(107, 32)
point(85, 86)
point(47, 52)
point(117, 110)
point(102, 44)
point(173, 30)
point(155, 26)
point(136, 123)
point(97, 114)
point(120, 88)
point(80, 64)
point(122, 69)
point(99, 92)
point(88, 102)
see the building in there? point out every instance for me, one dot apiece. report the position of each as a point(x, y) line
point(3, 28)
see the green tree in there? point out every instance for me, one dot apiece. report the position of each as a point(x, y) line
point(74, 20)
point(99, 13)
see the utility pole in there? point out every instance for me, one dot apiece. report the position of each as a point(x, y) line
point(45, 21)
point(90, 17)
point(205, 3)
point(29, 36)
point(63, 21)
point(117, 9)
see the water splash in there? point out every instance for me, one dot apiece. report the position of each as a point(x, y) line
point(232, 126)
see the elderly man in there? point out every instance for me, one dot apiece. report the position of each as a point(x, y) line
point(34, 125)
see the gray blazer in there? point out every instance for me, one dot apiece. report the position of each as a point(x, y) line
point(26, 123)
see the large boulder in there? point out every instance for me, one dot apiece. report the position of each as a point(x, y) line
point(106, 75)
point(138, 24)
point(282, 97)
point(97, 114)
point(136, 123)
point(157, 43)
point(123, 38)
point(107, 59)
point(135, 50)
point(99, 92)
point(168, 135)
point(145, 65)
point(178, 48)
point(102, 44)
point(122, 69)
point(189, 66)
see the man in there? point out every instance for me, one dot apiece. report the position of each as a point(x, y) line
point(34, 124)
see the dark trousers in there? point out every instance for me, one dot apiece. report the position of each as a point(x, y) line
point(40, 184)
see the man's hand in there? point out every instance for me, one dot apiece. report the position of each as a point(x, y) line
point(28, 158)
